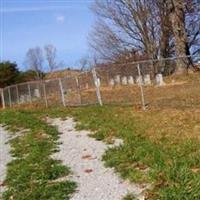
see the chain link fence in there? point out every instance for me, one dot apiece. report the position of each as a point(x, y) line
point(150, 83)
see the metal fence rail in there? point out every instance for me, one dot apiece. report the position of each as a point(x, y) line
point(139, 83)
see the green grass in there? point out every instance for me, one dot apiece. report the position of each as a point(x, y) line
point(161, 147)
point(163, 158)
point(129, 197)
point(32, 174)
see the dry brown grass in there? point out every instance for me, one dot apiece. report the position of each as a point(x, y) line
point(171, 124)
point(179, 92)
point(173, 110)
point(62, 74)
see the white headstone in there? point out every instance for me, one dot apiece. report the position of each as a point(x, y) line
point(147, 79)
point(22, 99)
point(36, 93)
point(28, 98)
point(117, 79)
point(124, 80)
point(159, 80)
point(130, 80)
point(139, 80)
point(112, 82)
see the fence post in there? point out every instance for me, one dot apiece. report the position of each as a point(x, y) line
point(154, 71)
point(29, 92)
point(17, 92)
point(45, 94)
point(78, 89)
point(62, 92)
point(97, 85)
point(9, 96)
point(2, 99)
point(141, 88)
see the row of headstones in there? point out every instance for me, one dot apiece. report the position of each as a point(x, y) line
point(117, 80)
point(24, 98)
point(145, 80)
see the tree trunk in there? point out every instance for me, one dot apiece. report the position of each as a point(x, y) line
point(178, 24)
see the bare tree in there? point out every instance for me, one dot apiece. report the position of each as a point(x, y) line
point(106, 43)
point(155, 28)
point(177, 19)
point(50, 53)
point(34, 60)
point(84, 63)
point(166, 33)
point(129, 25)
point(192, 25)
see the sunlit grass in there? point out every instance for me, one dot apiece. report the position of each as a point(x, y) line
point(160, 148)
point(30, 174)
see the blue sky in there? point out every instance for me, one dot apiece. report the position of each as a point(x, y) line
point(29, 23)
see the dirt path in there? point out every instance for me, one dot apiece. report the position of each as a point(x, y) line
point(83, 155)
point(5, 157)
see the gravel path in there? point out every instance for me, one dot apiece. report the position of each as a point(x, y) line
point(5, 157)
point(83, 155)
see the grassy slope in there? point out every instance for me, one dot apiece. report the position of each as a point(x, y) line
point(179, 92)
point(160, 147)
point(30, 175)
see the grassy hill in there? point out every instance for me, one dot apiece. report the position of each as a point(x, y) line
point(62, 74)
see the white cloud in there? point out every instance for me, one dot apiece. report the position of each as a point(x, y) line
point(60, 19)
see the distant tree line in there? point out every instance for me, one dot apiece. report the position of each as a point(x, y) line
point(10, 74)
point(153, 28)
